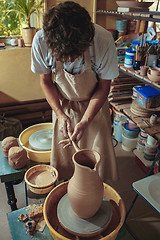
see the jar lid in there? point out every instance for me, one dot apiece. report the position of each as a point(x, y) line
point(130, 50)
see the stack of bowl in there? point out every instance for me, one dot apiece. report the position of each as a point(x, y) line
point(154, 74)
point(121, 26)
point(141, 141)
point(150, 150)
point(129, 136)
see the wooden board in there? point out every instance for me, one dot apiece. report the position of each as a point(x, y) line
point(18, 230)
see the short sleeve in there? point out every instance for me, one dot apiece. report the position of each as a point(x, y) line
point(39, 55)
point(106, 56)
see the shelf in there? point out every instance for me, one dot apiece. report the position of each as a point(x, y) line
point(135, 74)
point(140, 155)
point(141, 122)
point(153, 16)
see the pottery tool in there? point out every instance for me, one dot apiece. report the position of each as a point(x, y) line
point(137, 52)
point(147, 51)
point(146, 60)
point(68, 142)
point(146, 122)
point(142, 36)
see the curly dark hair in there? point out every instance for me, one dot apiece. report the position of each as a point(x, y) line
point(68, 30)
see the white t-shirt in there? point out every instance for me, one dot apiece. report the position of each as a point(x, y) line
point(102, 52)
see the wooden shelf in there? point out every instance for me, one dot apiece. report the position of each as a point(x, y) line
point(125, 108)
point(135, 74)
point(152, 16)
point(140, 155)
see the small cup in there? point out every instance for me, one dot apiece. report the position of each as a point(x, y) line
point(20, 42)
point(153, 119)
point(143, 70)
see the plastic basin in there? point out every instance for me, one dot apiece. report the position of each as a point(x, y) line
point(58, 233)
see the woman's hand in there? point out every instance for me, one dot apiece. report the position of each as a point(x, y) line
point(64, 123)
point(79, 130)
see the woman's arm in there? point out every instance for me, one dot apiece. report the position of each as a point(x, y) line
point(96, 102)
point(50, 91)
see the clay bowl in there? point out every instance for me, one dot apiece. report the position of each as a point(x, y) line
point(153, 78)
point(59, 233)
point(37, 156)
point(155, 71)
point(134, 4)
point(41, 179)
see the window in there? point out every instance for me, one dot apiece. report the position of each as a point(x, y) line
point(12, 21)
point(9, 23)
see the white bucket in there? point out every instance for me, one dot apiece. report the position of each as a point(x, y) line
point(129, 142)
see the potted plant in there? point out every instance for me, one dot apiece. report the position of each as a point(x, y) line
point(25, 8)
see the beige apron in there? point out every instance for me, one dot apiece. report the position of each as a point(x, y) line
point(75, 92)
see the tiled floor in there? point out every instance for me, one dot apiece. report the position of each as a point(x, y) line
point(143, 220)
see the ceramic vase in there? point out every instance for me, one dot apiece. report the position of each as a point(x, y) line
point(28, 35)
point(85, 188)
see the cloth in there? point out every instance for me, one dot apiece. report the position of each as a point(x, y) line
point(75, 95)
point(75, 83)
point(102, 52)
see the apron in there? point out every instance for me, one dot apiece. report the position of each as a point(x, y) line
point(75, 92)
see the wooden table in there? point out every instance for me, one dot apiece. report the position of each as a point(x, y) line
point(10, 176)
point(18, 230)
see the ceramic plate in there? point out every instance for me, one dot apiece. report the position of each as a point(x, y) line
point(83, 227)
point(41, 140)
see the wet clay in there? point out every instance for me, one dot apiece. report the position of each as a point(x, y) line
point(17, 157)
point(7, 143)
point(41, 178)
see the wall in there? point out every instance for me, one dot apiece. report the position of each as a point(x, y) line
point(90, 5)
point(17, 82)
point(107, 22)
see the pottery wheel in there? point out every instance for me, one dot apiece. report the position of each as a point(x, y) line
point(41, 140)
point(83, 227)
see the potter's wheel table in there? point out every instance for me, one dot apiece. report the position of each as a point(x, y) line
point(84, 227)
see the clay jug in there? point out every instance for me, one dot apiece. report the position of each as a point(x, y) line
point(85, 188)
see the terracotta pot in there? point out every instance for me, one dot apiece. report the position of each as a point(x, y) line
point(28, 34)
point(85, 188)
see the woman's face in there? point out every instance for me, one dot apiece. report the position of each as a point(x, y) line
point(71, 59)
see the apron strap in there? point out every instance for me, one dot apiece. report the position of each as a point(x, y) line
point(87, 60)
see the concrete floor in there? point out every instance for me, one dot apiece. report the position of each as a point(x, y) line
point(142, 220)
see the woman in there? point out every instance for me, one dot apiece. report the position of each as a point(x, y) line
point(81, 57)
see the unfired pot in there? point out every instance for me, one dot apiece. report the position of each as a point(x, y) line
point(85, 188)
